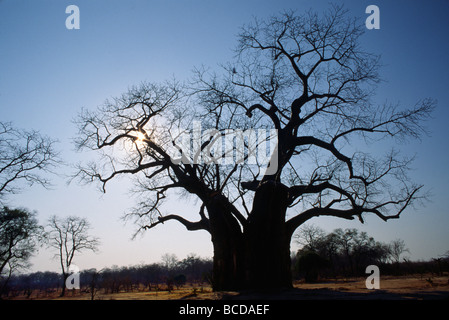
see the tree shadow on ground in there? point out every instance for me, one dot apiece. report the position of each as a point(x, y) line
point(330, 294)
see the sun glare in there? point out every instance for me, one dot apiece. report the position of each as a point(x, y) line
point(139, 139)
point(140, 136)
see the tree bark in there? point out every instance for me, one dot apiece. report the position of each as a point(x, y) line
point(258, 258)
point(267, 240)
point(64, 286)
point(228, 247)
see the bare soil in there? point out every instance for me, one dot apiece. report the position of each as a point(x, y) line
point(391, 288)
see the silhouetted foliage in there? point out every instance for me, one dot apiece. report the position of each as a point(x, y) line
point(91, 278)
point(348, 252)
point(309, 264)
point(19, 237)
point(145, 277)
point(45, 283)
point(179, 280)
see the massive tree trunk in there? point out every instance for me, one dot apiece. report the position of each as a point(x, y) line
point(260, 257)
point(228, 247)
point(267, 241)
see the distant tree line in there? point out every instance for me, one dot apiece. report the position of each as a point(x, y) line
point(346, 253)
point(170, 274)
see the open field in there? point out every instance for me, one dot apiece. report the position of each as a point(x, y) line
point(391, 288)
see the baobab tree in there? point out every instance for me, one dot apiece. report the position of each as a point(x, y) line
point(305, 78)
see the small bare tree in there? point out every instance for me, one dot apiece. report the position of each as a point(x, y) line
point(170, 261)
point(397, 248)
point(310, 236)
point(69, 236)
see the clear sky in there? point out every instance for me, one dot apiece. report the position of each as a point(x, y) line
point(48, 73)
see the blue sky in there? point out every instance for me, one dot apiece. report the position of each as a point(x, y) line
point(48, 73)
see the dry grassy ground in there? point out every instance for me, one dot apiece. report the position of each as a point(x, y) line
point(391, 288)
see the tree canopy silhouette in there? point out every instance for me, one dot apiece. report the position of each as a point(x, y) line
point(307, 78)
point(19, 237)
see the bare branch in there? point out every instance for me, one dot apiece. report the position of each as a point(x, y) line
point(191, 226)
point(24, 156)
